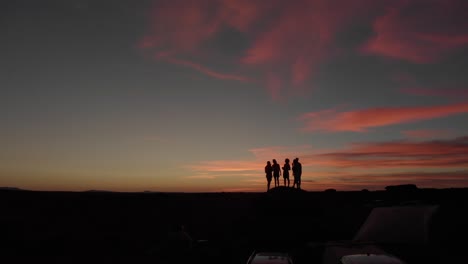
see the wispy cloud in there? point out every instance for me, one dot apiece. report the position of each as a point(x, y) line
point(260, 156)
point(420, 31)
point(362, 120)
point(392, 154)
point(378, 181)
point(399, 154)
point(285, 39)
point(290, 39)
point(343, 168)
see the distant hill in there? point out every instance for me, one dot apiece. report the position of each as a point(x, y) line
point(99, 191)
point(401, 188)
point(10, 189)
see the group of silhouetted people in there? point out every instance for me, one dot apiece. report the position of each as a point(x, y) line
point(274, 171)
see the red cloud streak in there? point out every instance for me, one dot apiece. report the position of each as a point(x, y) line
point(420, 31)
point(400, 154)
point(361, 120)
point(290, 39)
point(433, 154)
point(287, 39)
point(324, 169)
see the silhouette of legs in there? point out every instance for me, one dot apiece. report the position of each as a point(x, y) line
point(285, 181)
point(268, 184)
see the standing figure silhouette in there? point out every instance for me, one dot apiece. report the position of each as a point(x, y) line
point(299, 173)
point(295, 172)
point(276, 172)
point(286, 169)
point(269, 174)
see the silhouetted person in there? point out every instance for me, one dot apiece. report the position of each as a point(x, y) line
point(294, 171)
point(286, 169)
point(297, 172)
point(269, 174)
point(276, 172)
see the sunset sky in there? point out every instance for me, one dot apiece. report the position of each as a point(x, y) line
point(191, 96)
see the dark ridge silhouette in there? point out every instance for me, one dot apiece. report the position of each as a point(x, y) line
point(147, 191)
point(330, 191)
point(401, 188)
point(11, 189)
point(284, 189)
point(98, 191)
point(226, 227)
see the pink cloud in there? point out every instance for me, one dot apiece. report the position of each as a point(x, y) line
point(337, 168)
point(403, 154)
point(378, 181)
point(361, 120)
point(261, 155)
point(286, 38)
point(399, 154)
point(420, 31)
point(286, 41)
point(302, 37)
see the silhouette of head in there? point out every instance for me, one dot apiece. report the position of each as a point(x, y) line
point(268, 163)
point(274, 161)
point(286, 160)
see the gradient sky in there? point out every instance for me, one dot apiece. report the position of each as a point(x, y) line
point(175, 95)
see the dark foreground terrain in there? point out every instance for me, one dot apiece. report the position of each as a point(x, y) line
point(76, 227)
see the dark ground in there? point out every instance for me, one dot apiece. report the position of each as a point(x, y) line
point(72, 227)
